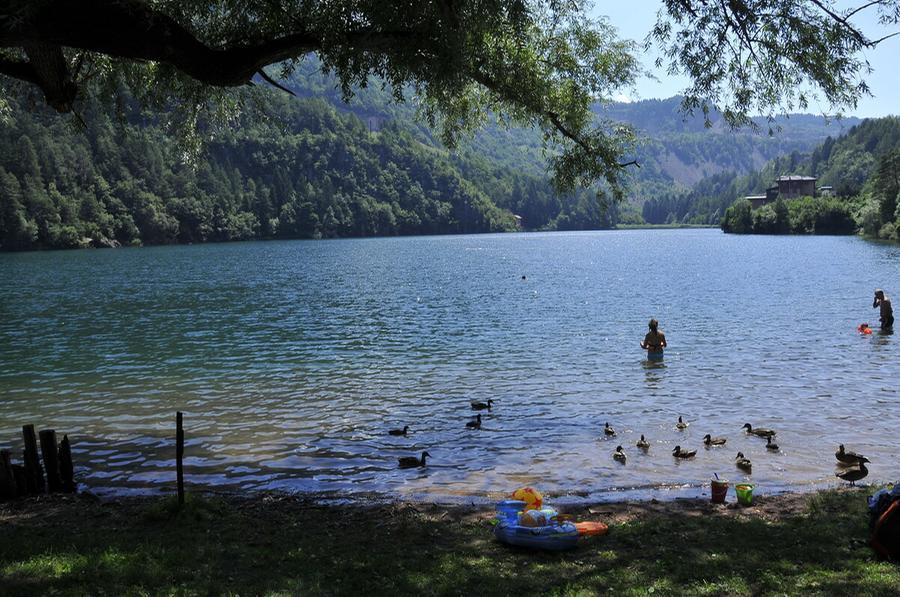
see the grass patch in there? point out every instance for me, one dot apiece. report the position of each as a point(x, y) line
point(286, 546)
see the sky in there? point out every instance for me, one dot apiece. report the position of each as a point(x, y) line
point(635, 18)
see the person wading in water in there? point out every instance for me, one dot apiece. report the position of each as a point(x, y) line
point(887, 313)
point(654, 341)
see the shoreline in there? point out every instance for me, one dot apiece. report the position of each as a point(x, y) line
point(274, 543)
point(664, 492)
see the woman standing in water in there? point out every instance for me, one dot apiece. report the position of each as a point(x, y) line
point(654, 341)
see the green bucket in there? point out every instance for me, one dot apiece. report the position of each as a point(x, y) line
point(744, 493)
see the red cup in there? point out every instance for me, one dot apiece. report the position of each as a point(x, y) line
point(719, 491)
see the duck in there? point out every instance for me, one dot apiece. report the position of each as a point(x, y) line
point(770, 445)
point(609, 430)
point(619, 455)
point(642, 443)
point(679, 453)
point(482, 405)
point(714, 441)
point(681, 424)
point(742, 462)
point(849, 458)
point(853, 473)
point(412, 461)
point(399, 431)
point(759, 431)
point(474, 423)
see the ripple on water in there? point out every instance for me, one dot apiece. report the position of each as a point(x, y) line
point(292, 360)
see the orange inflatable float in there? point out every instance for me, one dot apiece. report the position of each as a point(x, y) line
point(591, 528)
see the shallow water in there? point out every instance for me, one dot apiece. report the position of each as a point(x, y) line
point(291, 360)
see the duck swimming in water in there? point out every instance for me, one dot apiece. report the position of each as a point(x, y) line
point(759, 431)
point(619, 455)
point(609, 430)
point(853, 473)
point(743, 463)
point(412, 461)
point(679, 453)
point(681, 425)
point(770, 445)
point(642, 443)
point(849, 458)
point(475, 423)
point(399, 431)
point(714, 441)
point(482, 405)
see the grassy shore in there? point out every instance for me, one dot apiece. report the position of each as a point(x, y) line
point(275, 544)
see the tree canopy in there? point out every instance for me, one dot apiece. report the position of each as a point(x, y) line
point(537, 63)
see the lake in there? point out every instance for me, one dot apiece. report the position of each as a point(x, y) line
point(292, 360)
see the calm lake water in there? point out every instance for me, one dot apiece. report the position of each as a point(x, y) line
point(292, 360)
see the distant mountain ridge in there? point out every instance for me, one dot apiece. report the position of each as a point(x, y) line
point(675, 151)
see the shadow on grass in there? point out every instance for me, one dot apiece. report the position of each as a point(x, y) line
point(285, 546)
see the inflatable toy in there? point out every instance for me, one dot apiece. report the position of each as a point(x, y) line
point(532, 498)
point(552, 537)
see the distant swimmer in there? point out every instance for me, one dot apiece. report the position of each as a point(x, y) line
point(654, 341)
point(887, 313)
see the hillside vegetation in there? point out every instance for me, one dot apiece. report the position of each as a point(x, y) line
point(862, 167)
point(317, 167)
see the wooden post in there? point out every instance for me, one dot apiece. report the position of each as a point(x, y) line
point(179, 456)
point(50, 453)
point(33, 472)
point(66, 468)
point(8, 488)
point(21, 480)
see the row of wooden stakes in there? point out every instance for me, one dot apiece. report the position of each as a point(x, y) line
point(18, 480)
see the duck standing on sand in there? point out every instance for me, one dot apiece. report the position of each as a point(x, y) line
point(714, 441)
point(482, 405)
point(743, 463)
point(679, 453)
point(412, 461)
point(475, 423)
point(681, 425)
point(609, 430)
point(399, 431)
point(849, 458)
point(642, 443)
point(853, 473)
point(619, 455)
point(759, 431)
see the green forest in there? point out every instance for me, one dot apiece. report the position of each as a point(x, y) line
point(315, 166)
point(861, 166)
point(863, 169)
point(303, 170)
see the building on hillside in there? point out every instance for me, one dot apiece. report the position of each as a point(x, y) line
point(791, 187)
point(786, 187)
point(757, 201)
point(826, 191)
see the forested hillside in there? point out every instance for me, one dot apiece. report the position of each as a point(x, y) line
point(862, 167)
point(305, 170)
point(316, 167)
point(846, 163)
point(674, 151)
point(677, 152)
